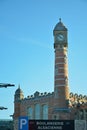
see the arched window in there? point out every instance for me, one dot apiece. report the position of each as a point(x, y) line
point(37, 111)
point(45, 111)
point(30, 113)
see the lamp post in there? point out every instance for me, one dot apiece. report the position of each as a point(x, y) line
point(5, 85)
point(3, 108)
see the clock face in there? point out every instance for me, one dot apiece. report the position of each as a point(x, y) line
point(60, 37)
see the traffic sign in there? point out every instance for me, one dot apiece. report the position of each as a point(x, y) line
point(23, 123)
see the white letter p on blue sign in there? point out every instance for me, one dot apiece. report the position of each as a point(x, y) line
point(23, 123)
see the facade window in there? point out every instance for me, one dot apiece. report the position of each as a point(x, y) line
point(45, 111)
point(56, 117)
point(86, 114)
point(56, 92)
point(30, 113)
point(37, 111)
point(81, 114)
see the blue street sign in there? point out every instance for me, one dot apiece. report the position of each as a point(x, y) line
point(23, 123)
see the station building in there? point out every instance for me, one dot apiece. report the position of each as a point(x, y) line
point(61, 104)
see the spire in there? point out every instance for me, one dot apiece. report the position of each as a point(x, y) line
point(19, 86)
point(59, 19)
point(19, 94)
point(19, 91)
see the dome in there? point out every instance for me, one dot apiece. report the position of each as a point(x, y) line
point(18, 91)
point(60, 26)
point(19, 94)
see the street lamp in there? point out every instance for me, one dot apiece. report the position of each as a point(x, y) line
point(5, 85)
point(3, 108)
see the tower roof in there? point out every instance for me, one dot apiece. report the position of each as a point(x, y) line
point(60, 26)
point(18, 91)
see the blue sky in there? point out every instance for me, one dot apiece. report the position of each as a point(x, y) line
point(26, 46)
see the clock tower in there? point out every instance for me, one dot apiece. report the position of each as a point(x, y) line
point(61, 88)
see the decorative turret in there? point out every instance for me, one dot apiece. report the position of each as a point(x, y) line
point(19, 94)
point(17, 100)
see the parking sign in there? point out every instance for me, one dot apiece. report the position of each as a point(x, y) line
point(23, 123)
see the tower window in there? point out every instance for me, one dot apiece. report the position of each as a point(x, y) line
point(56, 69)
point(65, 59)
point(66, 80)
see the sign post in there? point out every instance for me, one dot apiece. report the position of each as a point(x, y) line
point(26, 124)
point(51, 124)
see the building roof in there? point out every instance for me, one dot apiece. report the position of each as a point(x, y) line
point(60, 26)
